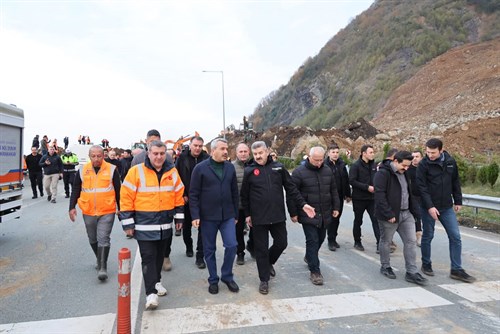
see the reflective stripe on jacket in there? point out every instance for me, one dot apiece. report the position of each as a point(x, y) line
point(149, 206)
point(97, 197)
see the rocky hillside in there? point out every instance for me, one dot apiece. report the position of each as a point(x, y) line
point(357, 72)
point(455, 97)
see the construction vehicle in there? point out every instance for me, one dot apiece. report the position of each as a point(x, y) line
point(177, 145)
point(11, 161)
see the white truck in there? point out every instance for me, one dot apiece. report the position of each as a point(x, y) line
point(11, 161)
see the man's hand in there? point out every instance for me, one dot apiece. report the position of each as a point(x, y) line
point(434, 213)
point(185, 199)
point(130, 232)
point(371, 189)
point(248, 220)
point(458, 208)
point(392, 220)
point(72, 215)
point(196, 223)
point(178, 226)
point(294, 219)
point(335, 214)
point(348, 199)
point(309, 210)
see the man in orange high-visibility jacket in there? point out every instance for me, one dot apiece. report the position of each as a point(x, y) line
point(151, 197)
point(96, 189)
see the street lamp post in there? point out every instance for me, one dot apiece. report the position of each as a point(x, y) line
point(223, 104)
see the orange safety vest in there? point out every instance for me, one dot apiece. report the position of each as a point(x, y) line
point(148, 206)
point(97, 197)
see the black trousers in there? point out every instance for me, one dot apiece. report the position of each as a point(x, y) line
point(68, 179)
point(36, 180)
point(187, 235)
point(240, 232)
point(359, 208)
point(265, 255)
point(333, 227)
point(152, 260)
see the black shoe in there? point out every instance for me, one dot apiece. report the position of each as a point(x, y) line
point(264, 288)
point(331, 246)
point(387, 272)
point(41, 194)
point(359, 246)
point(427, 269)
point(335, 244)
point(49, 198)
point(34, 196)
point(53, 200)
point(213, 288)
point(240, 259)
point(272, 272)
point(416, 278)
point(189, 253)
point(461, 275)
point(305, 260)
point(178, 233)
point(200, 264)
point(232, 286)
point(378, 250)
point(67, 196)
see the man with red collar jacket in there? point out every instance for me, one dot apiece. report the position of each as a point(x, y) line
point(264, 205)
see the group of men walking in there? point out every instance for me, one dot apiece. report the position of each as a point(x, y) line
point(214, 195)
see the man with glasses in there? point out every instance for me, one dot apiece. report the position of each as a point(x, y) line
point(394, 209)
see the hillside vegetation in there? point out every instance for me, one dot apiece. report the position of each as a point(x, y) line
point(358, 69)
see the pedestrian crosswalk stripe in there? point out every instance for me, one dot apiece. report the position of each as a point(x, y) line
point(268, 312)
point(91, 324)
point(477, 292)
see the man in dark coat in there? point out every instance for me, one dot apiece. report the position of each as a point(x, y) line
point(316, 183)
point(361, 179)
point(263, 201)
point(441, 195)
point(214, 200)
point(394, 209)
point(339, 170)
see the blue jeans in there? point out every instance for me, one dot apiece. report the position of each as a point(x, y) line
point(209, 234)
point(314, 239)
point(449, 221)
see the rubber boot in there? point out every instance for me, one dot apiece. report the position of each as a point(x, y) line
point(103, 257)
point(94, 248)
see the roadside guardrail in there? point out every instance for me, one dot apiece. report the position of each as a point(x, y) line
point(481, 202)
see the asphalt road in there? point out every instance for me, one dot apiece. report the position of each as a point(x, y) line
point(47, 277)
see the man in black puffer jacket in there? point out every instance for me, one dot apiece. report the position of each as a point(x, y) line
point(361, 179)
point(316, 184)
point(441, 194)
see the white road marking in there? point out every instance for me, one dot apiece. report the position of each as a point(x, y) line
point(91, 324)
point(267, 311)
point(476, 292)
point(135, 289)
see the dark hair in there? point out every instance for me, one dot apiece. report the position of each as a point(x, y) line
point(365, 148)
point(197, 138)
point(391, 152)
point(333, 147)
point(434, 143)
point(129, 151)
point(403, 155)
point(152, 133)
point(418, 151)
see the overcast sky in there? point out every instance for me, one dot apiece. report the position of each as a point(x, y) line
point(115, 69)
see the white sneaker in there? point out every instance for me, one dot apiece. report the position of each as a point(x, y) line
point(152, 301)
point(161, 289)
